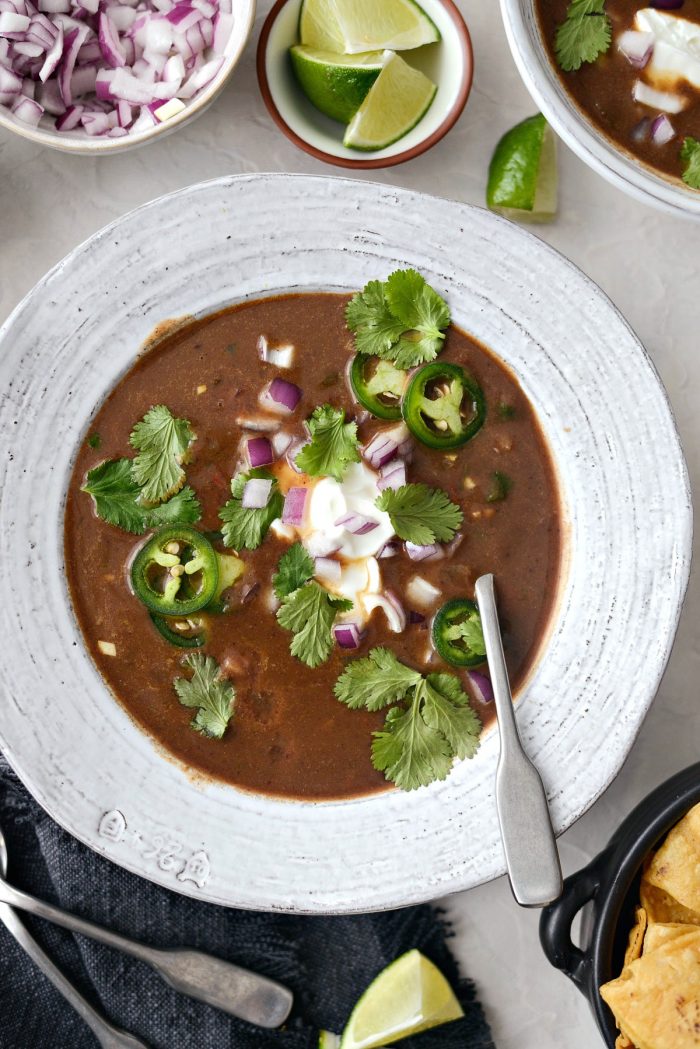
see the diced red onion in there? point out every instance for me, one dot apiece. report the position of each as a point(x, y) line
point(636, 47)
point(389, 549)
point(280, 396)
point(294, 506)
point(329, 569)
point(28, 110)
point(415, 617)
point(393, 475)
point(641, 131)
point(258, 423)
point(259, 451)
point(347, 634)
point(392, 608)
point(662, 130)
point(281, 356)
point(387, 444)
point(151, 54)
point(256, 493)
point(357, 524)
point(431, 552)
point(481, 686)
point(422, 593)
point(292, 453)
point(454, 544)
point(281, 443)
point(665, 100)
point(69, 119)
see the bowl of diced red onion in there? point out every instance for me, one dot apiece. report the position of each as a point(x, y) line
point(103, 76)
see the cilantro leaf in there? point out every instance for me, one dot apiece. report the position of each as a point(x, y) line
point(309, 613)
point(245, 529)
point(690, 155)
point(117, 500)
point(333, 445)
point(585, 34)
point(209, 691)
point(376, 329)
point(430, 723)
point(420, 514)
point(469, 632)
point(295, 568)
point(400, 319)
point(376, 681)
point(409, 752)
point(446, 709)
point(162, 443)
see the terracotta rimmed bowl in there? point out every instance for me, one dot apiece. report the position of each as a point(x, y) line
point(79, 142)
point(586, 139)
point(625, 502)
point(449, 64)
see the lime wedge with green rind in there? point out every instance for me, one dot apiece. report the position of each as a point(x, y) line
point(409, 996)
point(355, 26)
point(327, 1040)
point(398, 99)
point(522, 180)
point(336, 84)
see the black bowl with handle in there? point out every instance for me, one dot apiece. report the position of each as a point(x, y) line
point(609, 890)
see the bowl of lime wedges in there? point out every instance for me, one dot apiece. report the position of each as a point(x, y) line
point(365, 83)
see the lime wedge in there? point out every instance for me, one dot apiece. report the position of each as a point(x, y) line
point(336, 84)
point(409, 996)
point(328, 1040)
point(397, 100)
point(354, 26)
point(523, 172)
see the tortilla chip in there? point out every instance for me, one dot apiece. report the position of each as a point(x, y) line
point(659, 933)
point(675, 868)
point(656, 1000)
point(661, 907)
point(636, 938)
point(623, 1042)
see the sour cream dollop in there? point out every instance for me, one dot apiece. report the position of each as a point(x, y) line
point(676, 54)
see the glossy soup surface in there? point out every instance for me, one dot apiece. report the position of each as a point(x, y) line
point(289, 735)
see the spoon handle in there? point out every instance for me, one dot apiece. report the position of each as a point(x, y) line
point(237, 991)
point(526, 827)
point(108, 1036)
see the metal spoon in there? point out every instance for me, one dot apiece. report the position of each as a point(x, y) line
point(526, 827)
point(108, 1036)
point(237, 991)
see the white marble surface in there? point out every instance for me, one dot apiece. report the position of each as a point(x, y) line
point(647, 263)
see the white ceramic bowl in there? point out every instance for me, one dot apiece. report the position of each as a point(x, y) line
point(98, 146)
point(626, 505)
point(579, 132)
point(449, 64)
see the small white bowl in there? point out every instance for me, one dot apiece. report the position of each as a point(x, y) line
point(449, 64)
point(592, 145)
point(79, 142)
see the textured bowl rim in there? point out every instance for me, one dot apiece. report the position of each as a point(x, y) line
point(368, 163)
point(103, 146)
point(443, 878)
point(588, 142)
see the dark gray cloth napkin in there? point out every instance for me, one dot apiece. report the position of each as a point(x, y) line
point(327, 962)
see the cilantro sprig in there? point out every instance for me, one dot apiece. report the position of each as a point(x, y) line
point(429, 722)
point(243, 528)
point(307, 608)
point(690, 155)
point(117, 499)
point(420, 514)
point(585, 33)
point(209, 692)
point(401, 319)
point(333, 446)
point(162, 443)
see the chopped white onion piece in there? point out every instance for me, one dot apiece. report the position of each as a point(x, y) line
point(422, 593)
point(281, 355)
point(664, 100)
point(108, 648)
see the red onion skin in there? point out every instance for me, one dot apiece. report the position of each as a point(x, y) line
point(294, 506)
point(481, 686)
